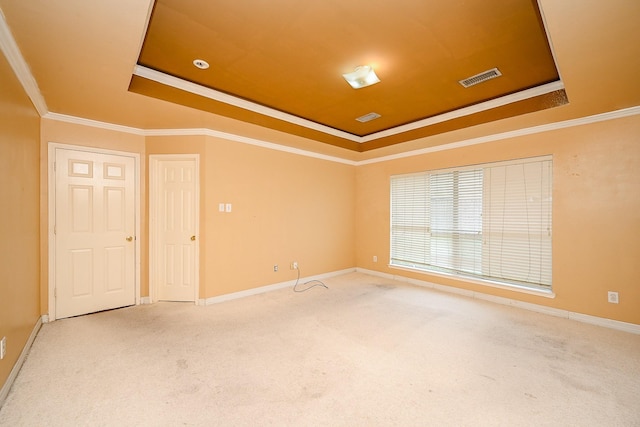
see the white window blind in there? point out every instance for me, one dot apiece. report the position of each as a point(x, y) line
point(490, 221)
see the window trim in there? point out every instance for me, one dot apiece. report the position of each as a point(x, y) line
point(528, 289)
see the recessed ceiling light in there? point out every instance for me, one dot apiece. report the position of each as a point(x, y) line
point(201, 63)
point(362, 76)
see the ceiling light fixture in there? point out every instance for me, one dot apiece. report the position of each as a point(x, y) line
point(362, 76)
point(201, 63)
point(368, 117)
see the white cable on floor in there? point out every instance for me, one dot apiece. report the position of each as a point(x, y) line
point(315, 283)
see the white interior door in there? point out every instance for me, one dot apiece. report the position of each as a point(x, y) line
point(94, 232)
point(175, 230)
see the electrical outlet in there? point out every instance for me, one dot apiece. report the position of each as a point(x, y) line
point(294, 265)
point(275, 267)
point(375, 258)
point(612, 297)
point(3, 347)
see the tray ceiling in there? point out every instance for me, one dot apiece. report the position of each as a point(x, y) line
point(279, 64)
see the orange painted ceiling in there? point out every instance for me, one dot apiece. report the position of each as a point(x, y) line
point(279, 64)
point(93, 60)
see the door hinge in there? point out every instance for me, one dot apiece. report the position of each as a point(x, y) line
point(55, 292)
point(54, 166)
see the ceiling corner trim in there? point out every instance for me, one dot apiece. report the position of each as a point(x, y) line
point(548, 35)
point(192, 132)
point(215, 95)
point(472, 109)
point(20, 67)
point(277, 147)
point(93, 123)
point(611, 115)
point(245, 140)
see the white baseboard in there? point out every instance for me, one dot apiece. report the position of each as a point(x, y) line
point(145, 300)
point(584, 318)
point(4, 392)
point(606, 323)
point(269, 288)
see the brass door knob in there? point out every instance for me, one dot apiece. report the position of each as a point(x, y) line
point(193, 238)
point(129, 238)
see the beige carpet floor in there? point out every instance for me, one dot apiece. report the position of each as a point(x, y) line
point(365, 352)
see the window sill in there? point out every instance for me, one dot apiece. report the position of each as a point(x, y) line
point(547, 293)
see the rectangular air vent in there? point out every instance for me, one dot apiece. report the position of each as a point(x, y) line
point(482, 77)
point(368, 117)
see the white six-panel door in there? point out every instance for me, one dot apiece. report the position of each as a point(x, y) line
point(174, 229)
point(94, 232)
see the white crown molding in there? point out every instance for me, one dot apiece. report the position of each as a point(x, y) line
point(20, 67)
point(612, 115)
point(194, 132)
point(566, 314)
point(247, 140)
point(93, 123)
point(215, 95)
point(467, 111)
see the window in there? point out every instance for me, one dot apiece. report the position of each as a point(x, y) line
point(491, 222)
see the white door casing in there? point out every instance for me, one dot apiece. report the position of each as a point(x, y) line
point(174, 227)
point(94, 231)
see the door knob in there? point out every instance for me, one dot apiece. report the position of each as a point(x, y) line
point(129, 238)
point(193, 238)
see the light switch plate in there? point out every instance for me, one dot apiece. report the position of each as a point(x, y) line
point(227, 207)
point(220, 207)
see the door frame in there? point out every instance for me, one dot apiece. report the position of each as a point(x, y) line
point(51, 198)
point(154, 165)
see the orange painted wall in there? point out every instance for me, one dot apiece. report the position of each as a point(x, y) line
point(19, 222)
point(285, 208)
point(327, 216)
point(596, 213)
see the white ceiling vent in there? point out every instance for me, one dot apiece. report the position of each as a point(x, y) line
point(368, 117)
point(482, 77)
